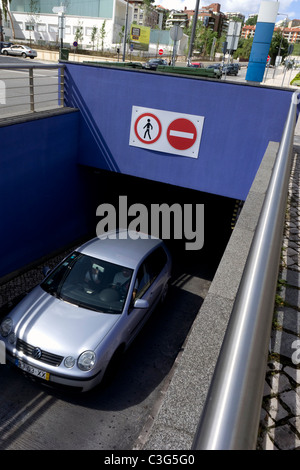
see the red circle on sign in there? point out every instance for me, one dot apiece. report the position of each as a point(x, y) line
point(161, 51)
point(181, 134)
point(149, 115)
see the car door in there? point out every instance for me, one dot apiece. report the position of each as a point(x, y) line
point(148, 284)
point(15, 50)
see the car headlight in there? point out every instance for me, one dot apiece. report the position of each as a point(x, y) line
point(69, 362)
point(6, 327)
point(86, 360)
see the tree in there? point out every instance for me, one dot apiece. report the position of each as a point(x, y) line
point(244, 49)
point(78, 36)
point(94, 35)
point(4, 11)
point(203, 38)
point(121, 35)
point(252, 21)
point(102, 34)
point(33, 17)
point(279, 46)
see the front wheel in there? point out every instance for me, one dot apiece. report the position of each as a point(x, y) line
point(24, 55)
point(5, 53)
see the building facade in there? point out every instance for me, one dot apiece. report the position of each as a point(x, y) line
point(212, 16)
point(292, 35)
point(235, 16)
point(146, 16)
point(41, 24)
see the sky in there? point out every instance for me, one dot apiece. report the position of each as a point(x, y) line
point(246, 7)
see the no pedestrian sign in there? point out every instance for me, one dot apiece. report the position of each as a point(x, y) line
point(166, 131)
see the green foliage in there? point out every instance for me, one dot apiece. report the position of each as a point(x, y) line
point(78, 37)
point(296, 80)
point(5, 4)
point(94, 35)
point(203, 38)
point(251, 21)
point(102, 34)
point(244, 49)
point(279, 46)
point(296, 50)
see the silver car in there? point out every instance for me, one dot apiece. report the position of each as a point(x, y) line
point(19, 50)
point(71, 328)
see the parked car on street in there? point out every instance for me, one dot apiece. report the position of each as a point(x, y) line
point(230, 69)
point(71, 329)
point(197, 65)
point(19, 50)
point(215, 67)
point(152, 64)
point(5, 44)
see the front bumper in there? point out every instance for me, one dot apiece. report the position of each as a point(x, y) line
point(43, 374)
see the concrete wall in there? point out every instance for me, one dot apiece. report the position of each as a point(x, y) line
point(239, 121)
point(41, 191)
point(175, 425)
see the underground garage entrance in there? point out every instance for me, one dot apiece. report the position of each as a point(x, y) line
point(195, 226)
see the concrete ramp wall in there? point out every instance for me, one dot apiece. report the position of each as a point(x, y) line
point(175, 425)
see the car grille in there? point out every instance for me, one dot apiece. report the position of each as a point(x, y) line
point(48, 358)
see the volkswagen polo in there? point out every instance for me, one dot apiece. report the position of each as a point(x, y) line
point(70, 329)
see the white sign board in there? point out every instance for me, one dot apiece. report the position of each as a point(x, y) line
point(233, 35)
point(165, 131)
point(60, 9)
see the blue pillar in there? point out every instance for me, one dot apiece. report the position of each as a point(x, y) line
point(262, 40)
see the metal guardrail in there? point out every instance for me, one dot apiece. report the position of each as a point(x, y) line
point(230, 418)
point(30, 88)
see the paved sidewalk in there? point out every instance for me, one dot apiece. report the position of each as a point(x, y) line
point(280, 417)
point(279, 77)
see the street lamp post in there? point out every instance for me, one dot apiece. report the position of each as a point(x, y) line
point(125, 32)
point(195, 19)
point(176, 34)
point(279, 50)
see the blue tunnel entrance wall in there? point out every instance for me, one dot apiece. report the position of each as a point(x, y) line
point(239, 121)
point(46, 197)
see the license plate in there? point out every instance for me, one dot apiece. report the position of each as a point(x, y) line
point(32, 370)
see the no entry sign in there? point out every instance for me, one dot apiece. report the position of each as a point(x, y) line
point(166, 131)
point(161, 51)
point(182, 134)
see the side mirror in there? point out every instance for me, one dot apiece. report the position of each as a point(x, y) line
point(141, 303)
point(46, 270)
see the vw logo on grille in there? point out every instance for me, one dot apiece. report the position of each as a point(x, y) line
point(37, 353)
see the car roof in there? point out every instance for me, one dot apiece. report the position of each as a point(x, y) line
point(123, 249)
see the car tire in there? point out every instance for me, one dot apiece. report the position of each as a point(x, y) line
point(31, 57)
point(24, 55)
point(5, 53)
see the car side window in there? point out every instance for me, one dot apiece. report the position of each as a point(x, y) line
point(143, 281)
point(150, 269)
point(156, 262)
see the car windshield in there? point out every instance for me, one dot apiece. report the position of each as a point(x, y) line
point(90, 283)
